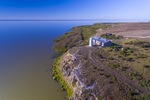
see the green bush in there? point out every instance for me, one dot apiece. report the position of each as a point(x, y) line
point(115, 65)
point(142, 44)
point(127, 51)
point(113, 36)
point(130, 59)
point(145, 97)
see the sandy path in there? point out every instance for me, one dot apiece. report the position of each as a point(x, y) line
point(137, 36)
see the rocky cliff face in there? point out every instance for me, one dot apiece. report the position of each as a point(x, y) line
point(90, 78)
point(71, 65)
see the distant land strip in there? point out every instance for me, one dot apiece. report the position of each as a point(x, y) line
point(53, 19)
point(100, 20)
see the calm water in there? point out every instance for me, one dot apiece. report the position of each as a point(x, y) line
point(25, 59)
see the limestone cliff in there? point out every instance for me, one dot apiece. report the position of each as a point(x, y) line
point(71, 65)
point(85, 70)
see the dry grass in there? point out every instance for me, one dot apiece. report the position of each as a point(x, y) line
point(134, 30)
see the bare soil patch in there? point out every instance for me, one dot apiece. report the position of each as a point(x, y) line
point(131, 30)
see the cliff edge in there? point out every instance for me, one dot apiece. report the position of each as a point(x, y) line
point(118, 72)
point(89, 76)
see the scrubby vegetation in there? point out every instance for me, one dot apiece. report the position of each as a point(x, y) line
point(145, 97)
point(133, 56)
point(108, 73)
point(142, 44)
point(127, 51)
point(111, 36)
point(77, 36)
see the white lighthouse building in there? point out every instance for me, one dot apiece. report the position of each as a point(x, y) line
point(96, 41)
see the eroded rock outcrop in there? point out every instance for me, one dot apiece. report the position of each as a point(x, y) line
point(90, 79)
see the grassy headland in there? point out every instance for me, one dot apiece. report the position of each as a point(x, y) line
point(127, 59)
point(77, 36)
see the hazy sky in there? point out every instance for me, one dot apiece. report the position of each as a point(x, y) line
point(75, 9)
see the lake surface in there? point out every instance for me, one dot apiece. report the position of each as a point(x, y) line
point(26, 58)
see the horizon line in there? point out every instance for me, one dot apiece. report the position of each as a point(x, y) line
point(54, 19)
point(103, 20)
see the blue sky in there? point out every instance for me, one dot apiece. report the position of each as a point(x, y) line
point(75, 9)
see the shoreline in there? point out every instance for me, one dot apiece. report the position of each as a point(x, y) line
point(57, 75)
